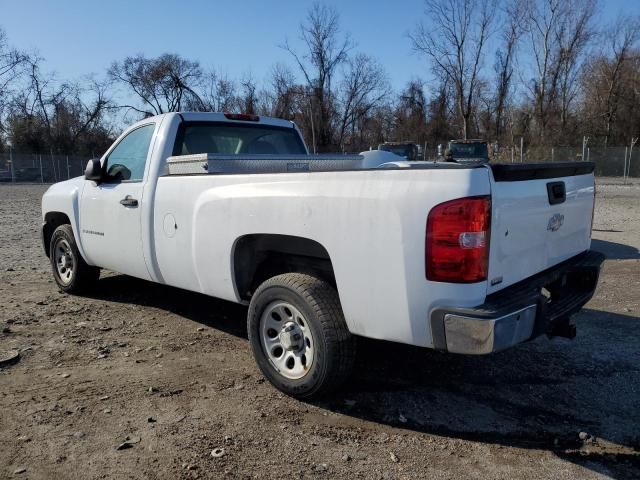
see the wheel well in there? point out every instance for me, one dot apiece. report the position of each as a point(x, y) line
point(52, 221)
point(259, 257)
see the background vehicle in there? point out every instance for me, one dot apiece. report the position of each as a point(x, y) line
point(408, 150)
point(323, 248)
point(464, 151)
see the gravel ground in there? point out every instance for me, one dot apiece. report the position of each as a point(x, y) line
point(168, 376)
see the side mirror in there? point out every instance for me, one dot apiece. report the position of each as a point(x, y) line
point(93, 170)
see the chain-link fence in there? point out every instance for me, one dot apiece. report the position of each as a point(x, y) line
point(40, 168)
point(610, 162)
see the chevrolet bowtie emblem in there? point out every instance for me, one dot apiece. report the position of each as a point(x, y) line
point(555, 222)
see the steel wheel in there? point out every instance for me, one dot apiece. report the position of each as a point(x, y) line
point(70, 271)
point(298, 335)
point(287, 339)
point(64, 261)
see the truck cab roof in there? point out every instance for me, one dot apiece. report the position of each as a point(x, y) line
point(223, 117)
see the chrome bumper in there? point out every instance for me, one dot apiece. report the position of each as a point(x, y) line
point(479, 336)
point(520, 312)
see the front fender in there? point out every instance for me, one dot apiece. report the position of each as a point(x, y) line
point(64, 197)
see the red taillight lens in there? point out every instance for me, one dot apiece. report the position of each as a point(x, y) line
point(242, 116)
point(457, 243)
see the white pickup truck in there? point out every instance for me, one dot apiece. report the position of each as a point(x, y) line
point(468, 259)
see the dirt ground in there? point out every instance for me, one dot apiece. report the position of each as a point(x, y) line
point(172, 372)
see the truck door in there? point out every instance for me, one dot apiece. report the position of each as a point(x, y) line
point(110, 220)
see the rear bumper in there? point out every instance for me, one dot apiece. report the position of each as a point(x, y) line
point(541, 304)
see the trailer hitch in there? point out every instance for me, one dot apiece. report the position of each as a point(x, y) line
point(562, 328)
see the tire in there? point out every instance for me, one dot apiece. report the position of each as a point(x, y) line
point(316, 315)
point(70, 271)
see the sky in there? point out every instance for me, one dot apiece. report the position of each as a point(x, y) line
point(78, 37)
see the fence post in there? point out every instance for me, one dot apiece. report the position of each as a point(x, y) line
point(53, 166)
point(552, 154)
point(13, 168)
point(521, 149)
point(68, 174)
point(41, 174)
point(585, 142)
point(633, 142)
point(624, 164)
point(588, 153)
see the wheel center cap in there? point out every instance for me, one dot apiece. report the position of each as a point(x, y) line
point(291, 337)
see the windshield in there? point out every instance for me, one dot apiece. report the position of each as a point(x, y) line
point(237, 139)
point(468, 150)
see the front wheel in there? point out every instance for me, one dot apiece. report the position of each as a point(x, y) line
point(299, 336)
point(70, 271)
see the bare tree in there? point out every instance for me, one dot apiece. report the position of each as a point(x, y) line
point(621, 37)
point(325, 51)
point(573, 36)
point(163, 84)
point(85, 109)
point(52, 116)
point(505, 58)
point(439, 111)
point(218, 94)
point(454, 43)
point(11, 61)
point(542, 21)
point(363, 88)
point(410, 113)
point(558, 32)
point(38, 100)
point(284, 92)
point(248, 100)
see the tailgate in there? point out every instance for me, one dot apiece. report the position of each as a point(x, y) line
point(541, 216)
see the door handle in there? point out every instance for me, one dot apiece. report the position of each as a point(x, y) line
point(129, 201)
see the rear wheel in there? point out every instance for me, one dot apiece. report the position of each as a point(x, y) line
point(299, 336)
point(70, 271)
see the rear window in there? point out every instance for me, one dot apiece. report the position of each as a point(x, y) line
point(236, 139)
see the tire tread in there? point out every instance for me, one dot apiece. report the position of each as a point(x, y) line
point(85, 275)
point(323, 299)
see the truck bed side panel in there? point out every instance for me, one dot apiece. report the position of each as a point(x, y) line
point(372, 224)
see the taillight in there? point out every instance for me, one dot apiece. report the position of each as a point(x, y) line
point(242, 116)
point(457, 243)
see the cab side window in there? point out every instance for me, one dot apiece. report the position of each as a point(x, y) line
point(127, 160)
